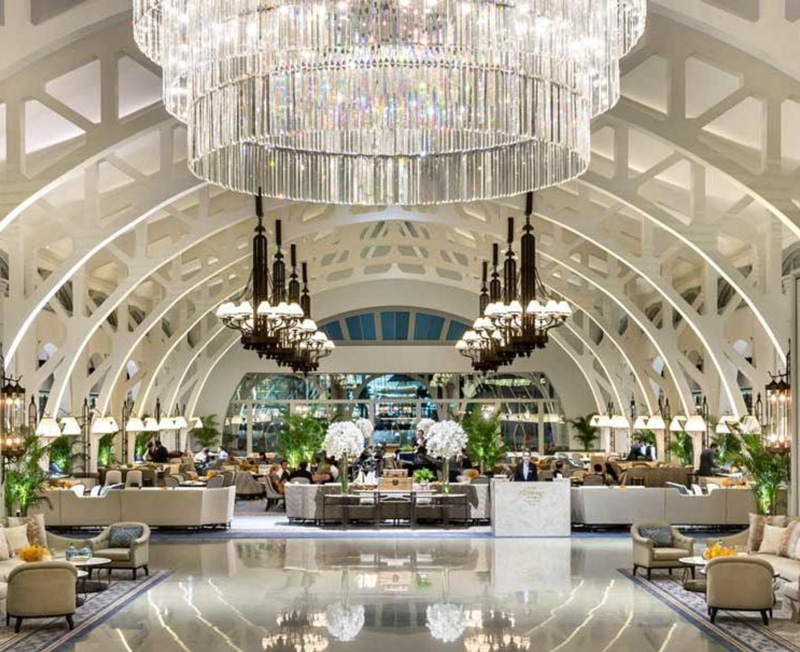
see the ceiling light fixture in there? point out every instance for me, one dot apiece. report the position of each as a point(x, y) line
point(400, 102)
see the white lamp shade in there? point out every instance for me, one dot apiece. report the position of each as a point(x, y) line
point(112, 425)
point(728, 418)
point(180, 422)
point(722, 428)
point(100, 426)
point(197, 422)
point(676, 425)
point(48, 427)
point(70, 426)
point(656, 422)
point(595, 421)
point(605, 421)
point(620, 422)
point(695, 423)
point(150, 425)
point(640, 423)
point(134, 425)
point(166, 423)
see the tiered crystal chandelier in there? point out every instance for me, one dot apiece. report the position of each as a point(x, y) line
point(397, 102)
point(277, 326)
point(515, 316)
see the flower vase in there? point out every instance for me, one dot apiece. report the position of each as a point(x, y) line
point(446, 475)
point(344, 476)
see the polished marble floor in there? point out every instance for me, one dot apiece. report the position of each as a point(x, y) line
point(398, 594)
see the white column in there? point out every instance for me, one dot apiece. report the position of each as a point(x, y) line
point(794, 418)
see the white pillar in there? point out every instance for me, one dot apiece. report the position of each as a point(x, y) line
point(661, 445)
point(249, 416)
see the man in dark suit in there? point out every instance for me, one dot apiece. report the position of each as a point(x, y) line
point(526, 469)
point(708, 461)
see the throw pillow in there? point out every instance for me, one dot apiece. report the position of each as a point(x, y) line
point(660, 536)
point(771, 542)
point(756, 532)
point(123, 537)
point(5, 551)
point(17, 538)
point(789, 541)
point(37, 534)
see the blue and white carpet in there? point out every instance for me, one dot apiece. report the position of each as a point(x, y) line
point(52, 634)
point(738, 631)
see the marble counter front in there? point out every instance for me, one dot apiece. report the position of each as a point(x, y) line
point(531, 509)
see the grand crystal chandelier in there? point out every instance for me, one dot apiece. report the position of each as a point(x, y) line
point(398, 102)
point(275, 319)
point(516, 315)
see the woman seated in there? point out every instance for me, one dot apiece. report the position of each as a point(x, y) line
point(327, 471)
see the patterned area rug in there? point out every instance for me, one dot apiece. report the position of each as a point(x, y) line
point(50, 635)
point(735, 630)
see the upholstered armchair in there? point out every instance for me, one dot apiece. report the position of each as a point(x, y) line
point(133, 558)
point(739, 584)
point(646, 555)
point(42, 589)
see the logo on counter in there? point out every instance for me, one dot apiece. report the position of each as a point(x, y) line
point(531, 496)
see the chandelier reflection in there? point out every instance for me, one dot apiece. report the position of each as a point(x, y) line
point(275, 319)
point(517, 314)
point(297, 632)
point(397, 102)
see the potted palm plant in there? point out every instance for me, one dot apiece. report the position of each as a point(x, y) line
point(484, 442)
point(768, 470)
point(25, 479)
point(682, 448)
point(585, 432)
point(208, 434)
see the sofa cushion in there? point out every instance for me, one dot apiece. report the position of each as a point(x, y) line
point(114, 554)
point(17, 538)
point(756, 531)
point(771, 541)
point(788, 569)
point(789, 541)
point(37, 535)
point(123, 537)
point(670, 554)
point(5, 549)
point(7, 566)
point(660, 536)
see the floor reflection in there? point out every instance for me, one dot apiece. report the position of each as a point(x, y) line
point(471, 595)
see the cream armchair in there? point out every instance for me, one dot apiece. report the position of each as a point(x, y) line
point(43, 589)
point(133, 558)
point(739, 584)
point(647, 556)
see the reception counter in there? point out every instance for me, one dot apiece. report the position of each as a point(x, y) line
point(531, 509)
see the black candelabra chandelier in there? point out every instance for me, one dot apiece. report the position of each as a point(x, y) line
point(272, 316)
point(515, 315)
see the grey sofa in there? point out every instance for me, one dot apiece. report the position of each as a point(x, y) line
point(155, 507)
point(596, 506)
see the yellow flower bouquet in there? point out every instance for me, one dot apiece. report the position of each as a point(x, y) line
point(719, 549)
point(33, 553)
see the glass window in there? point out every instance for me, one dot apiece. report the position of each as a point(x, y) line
point(394, 325)
point(428, 327)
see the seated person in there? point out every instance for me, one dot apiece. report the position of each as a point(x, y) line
point(301, 472)
point(636, 452)
point(327, 471)
point(160, 454)
point(526, 469)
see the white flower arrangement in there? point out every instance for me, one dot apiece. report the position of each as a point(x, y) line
point(345, 623)
point(424, 424)
point(445, 439)
point(343, 439)
point(446, 622)
point(366, 428)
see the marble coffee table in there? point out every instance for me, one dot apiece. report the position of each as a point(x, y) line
point(89, 566)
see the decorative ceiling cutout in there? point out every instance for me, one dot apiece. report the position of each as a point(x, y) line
point(79, 90)
point(648, 84)
point(44, 10)
point(747, 9)
point(742, 125)
point(707, 85)
point(141, 153)
point(790, 143)
point(44, 128)
point(138, 87)
point(111, 178)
